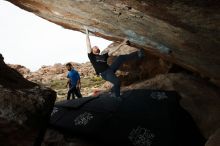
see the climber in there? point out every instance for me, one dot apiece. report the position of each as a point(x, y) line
point(107, 72)
point(73, 82)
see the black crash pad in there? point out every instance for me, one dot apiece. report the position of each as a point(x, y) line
point(142, 118)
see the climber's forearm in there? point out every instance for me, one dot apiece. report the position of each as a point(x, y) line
point(117, 47)
point(88, 43)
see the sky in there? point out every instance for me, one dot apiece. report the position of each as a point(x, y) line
point(29, 40)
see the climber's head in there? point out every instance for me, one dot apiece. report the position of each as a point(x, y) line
point(95, 50)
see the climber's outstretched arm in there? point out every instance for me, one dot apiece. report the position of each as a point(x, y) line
point(88, 43)
point(118, 47)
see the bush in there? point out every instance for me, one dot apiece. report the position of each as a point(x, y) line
point(58, 84)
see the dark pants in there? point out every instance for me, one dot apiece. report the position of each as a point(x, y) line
point(109, 74)
point(74, 91)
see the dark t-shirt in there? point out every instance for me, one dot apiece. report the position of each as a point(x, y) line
point(99, 62)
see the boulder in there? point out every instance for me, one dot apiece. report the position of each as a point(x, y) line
point(25, 108)
point(21, 69)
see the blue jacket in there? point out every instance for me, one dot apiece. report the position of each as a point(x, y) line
point(73, 75)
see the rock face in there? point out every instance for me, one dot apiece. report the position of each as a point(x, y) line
point(24, 108)
point(184, 32)
point(138, 70)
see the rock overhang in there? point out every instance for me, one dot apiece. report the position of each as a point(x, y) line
point(185, 33)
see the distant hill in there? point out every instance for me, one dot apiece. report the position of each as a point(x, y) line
point(55, 77)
